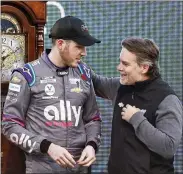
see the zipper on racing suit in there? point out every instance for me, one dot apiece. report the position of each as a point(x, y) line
point(66, 112)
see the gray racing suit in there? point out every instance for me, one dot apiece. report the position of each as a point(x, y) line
point(47, 102)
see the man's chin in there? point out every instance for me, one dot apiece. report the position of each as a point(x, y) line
point(74, 65)
point(122, 82)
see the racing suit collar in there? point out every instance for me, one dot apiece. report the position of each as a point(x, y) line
point(49, 63)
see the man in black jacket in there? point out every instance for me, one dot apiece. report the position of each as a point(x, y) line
point(147, 117)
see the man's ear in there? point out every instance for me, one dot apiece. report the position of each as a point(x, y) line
point(60, 43)
point(144, 68)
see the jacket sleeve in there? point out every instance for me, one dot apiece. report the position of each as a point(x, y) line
point(14, 115)
point(105, 87)
point(166, 136)
point(91, 117)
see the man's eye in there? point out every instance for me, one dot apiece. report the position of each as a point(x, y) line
point(125, 64)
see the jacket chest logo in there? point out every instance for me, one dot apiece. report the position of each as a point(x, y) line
point(49, 89)
point(76, 85)
point(50, 79)
point(65, 113)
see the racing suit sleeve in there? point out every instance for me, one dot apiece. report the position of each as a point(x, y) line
point(92, 120)
point(14, 115)
point(105, 87)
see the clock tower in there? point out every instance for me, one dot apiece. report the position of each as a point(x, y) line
point(22, 40)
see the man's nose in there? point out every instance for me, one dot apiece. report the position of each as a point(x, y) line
point(119, 67)
point(84, 52)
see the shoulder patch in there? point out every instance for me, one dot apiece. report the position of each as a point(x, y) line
point(35, 62)
point(15, 79)
point(28, 72)
point(85, 72)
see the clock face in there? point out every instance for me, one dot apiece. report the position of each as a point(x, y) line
point(12, 54)
point(9, 24)
point(12, 46)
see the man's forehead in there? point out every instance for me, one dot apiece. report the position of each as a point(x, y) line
point(127, 56)
point(123, 50)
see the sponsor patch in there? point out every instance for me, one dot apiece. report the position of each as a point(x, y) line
point(15, 79)
point(87, 71)
point(14, 87)
point(77, 90)
point(66, 112)
point(50, 97)
point(59, 124)
point(26, 70)
point(49, 89)
point(48, 80)
point(36, 62)
point(11, 99)
point(10, 93)
point(62, 73)
point(23, 140)
point(74, 81)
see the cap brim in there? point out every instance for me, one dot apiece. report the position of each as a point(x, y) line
point(86, 40)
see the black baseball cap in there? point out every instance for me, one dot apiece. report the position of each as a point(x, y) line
point(72, 28)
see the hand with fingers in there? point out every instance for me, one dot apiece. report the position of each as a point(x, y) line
point(128, 112)
point(87, 156)
point(61, 156)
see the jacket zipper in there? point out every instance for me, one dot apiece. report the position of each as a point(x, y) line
point(133, 95)
point(66, 112)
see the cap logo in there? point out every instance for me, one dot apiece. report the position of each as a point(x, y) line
point(84, 28)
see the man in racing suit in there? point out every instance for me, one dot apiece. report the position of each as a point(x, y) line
point(50, 110)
